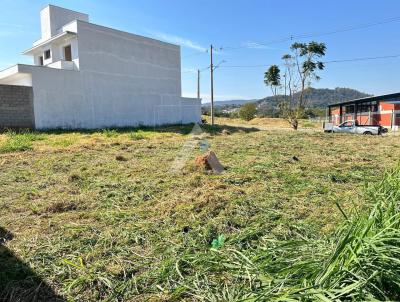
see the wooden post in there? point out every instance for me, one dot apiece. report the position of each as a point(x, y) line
point(355, 111)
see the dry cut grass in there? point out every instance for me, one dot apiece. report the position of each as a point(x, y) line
point(266, 123)
point(99, 216)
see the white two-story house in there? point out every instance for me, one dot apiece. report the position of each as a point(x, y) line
point(90, 76)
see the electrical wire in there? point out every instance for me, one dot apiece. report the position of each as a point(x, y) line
point(194, 54)
point(325, 62)
point(312, 35)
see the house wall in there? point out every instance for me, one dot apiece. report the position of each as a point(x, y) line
point(60, 100)
point(124, 80)
point(53, 18)
point(388, 115)
point(148, 66)
point(16, 107)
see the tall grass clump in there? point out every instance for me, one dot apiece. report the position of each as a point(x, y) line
point(110, 133)
point(19, 141)
point(137, 135)
point(360, 262)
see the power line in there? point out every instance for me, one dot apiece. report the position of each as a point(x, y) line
point(351, 28)
point(205, 68)
point(362, 59)
point(325, 62)
point(303, 36)
point(194, 71)
point(195, 54)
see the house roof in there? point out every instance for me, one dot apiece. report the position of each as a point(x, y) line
point(393, 97)
point(58, 37)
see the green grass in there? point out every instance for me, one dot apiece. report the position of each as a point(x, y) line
point(137, 135)
point(309, 124)
point(19, 141)
point(110, 132)
point(360, 262)
point(95, 228)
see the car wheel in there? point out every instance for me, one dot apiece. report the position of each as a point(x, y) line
point(367, 133)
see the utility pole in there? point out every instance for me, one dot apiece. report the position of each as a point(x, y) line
point(212, 85)
point(198, 83)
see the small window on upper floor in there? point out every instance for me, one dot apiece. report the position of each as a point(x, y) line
point(41, 60)
point(47, 54)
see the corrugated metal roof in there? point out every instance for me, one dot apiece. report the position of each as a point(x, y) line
point(393, 97)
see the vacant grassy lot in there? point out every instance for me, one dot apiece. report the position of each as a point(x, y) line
point(105, 216)
point(268, 123)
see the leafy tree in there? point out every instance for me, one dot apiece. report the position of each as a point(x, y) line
point(248, 111)
point(301, 67)
point(272, 78)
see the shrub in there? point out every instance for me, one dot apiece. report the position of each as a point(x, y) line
point(248, 111)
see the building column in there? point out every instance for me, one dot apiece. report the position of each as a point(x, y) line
point(355, 111)
point(329, 115)
point(392, 120)
point(369, 116)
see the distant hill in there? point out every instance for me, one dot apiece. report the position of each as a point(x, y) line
point(230, 103)
point(317, 98)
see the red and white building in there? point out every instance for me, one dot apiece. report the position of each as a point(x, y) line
point(383, 110)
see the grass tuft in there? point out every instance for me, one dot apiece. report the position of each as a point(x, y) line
point(358, 263)
point(19, 141)
point(110, 133)
point(137, 135)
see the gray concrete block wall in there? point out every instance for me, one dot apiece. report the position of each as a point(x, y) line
point(16, 107)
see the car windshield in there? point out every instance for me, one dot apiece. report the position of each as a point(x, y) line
point(347, 124)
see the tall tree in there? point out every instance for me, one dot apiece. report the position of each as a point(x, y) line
point(301, 67)
point(272, 78)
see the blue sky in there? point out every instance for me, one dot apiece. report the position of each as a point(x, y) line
point(229, 24)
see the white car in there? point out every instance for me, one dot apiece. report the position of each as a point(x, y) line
point(354, 128)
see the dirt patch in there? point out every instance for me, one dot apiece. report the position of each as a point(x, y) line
point(121, 158)
point(209, 162)
point(61, 207)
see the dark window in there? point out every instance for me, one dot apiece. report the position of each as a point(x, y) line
point(47, 54)
point(67, 53)
point(41, 60)
point(367, 107)
point(349, 109)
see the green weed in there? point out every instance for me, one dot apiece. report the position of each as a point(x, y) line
point(137, 135)
point(358, 263)
point(110, 133)
point(19, 141)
